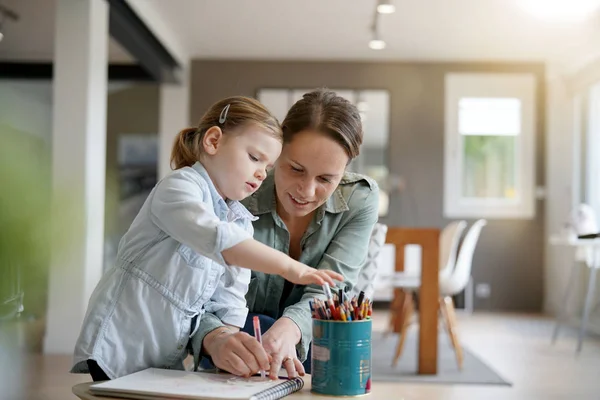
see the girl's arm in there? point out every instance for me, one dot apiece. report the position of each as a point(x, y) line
point(257, 256)
point(178, 208)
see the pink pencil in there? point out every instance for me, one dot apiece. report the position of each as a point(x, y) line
point(258, 336)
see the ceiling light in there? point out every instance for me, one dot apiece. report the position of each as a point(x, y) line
point(377, 44)
point(561, 10)
point(385, 7)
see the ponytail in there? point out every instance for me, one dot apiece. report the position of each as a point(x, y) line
point(185, 149)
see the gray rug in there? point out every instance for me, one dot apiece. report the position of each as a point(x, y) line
point(474, 370)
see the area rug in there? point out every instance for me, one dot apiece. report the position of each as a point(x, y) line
point(474, 371)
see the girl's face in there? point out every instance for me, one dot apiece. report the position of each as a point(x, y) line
point(307, 172)
point(237, 162)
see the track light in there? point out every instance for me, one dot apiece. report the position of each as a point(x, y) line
point(5, 14)
point(376, 43)
point(385, 7)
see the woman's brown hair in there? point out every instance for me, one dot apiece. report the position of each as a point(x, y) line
point(228, 114)
point(324, 111)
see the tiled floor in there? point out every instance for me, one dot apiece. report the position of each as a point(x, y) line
point(517, 346)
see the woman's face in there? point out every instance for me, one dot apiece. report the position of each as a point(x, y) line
point(307, 172)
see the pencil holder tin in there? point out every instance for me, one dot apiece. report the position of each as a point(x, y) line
point(341, 357)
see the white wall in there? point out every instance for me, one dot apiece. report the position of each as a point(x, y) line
point(162, 29)
point(562, 188)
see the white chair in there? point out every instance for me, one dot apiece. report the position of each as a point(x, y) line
point(370, 268)
point(451, 283)
point(410, 278)
point(456, 282)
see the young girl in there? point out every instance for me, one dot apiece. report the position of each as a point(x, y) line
point(177, 259)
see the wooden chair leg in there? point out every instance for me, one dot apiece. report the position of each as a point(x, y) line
point(392, 321)
point(408, 311)
point(396, 312)
point(445, 319)
point(452, 326)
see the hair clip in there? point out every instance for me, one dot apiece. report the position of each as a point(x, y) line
point(223, 115)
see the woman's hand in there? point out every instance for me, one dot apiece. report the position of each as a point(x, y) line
point(301, 274)
point(280, 343)
point(236, 352)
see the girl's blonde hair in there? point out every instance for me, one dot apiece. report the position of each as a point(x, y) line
point(228, 114)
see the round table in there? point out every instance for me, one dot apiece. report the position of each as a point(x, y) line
point(380, 390)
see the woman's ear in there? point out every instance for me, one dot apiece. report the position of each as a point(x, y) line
point(212, 140)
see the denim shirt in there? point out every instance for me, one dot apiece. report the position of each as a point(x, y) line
point(169, 270)
point(337, 239)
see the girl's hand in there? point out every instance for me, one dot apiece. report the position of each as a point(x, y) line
point(301, 274)
point(236, 352)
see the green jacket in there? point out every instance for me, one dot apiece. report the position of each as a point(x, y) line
point(337, 239)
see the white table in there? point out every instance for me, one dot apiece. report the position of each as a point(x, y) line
point(588, 251)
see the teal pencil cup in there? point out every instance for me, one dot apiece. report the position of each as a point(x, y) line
point(341, 357)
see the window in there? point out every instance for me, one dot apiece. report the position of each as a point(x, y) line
point(374, 108)
point(489, 146)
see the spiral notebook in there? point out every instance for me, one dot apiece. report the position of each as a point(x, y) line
point(154, 383)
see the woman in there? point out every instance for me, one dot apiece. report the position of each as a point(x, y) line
point(312, 209)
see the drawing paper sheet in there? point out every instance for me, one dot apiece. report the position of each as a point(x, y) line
point(163, 383)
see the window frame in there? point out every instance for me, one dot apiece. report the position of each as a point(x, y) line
point(480, 85)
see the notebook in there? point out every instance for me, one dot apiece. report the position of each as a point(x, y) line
point(154, 383)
